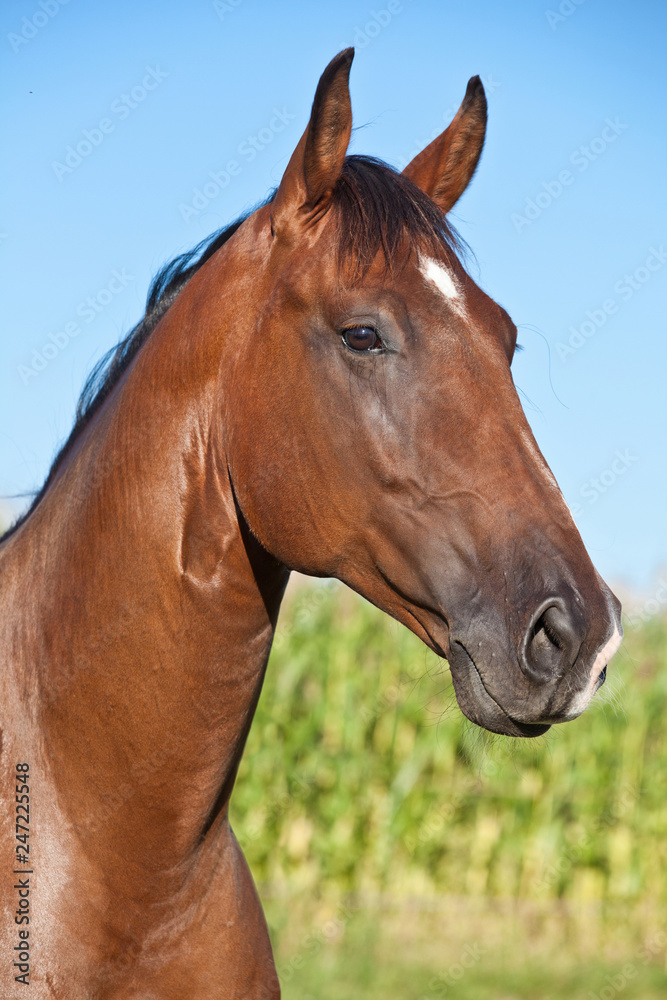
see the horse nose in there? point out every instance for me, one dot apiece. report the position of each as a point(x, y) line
point(551, 642)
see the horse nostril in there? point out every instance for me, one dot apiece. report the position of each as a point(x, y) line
point(550, 644)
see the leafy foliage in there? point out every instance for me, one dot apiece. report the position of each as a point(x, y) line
point(362, 785)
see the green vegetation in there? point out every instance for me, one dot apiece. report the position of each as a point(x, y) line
point(396, 846)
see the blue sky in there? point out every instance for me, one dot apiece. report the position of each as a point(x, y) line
point(566, 215)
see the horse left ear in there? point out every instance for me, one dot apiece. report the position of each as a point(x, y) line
point(444, 169)
point(308, 182)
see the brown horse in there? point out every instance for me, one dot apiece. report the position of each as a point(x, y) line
point(322, 388)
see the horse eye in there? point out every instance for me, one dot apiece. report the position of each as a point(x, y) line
point(361, 338)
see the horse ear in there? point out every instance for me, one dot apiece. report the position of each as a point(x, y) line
point(316, 163)
point(444, 169)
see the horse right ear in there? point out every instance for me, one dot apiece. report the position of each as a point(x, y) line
point(444, 169)
point(304, 194)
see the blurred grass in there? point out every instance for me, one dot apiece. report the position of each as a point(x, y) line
point(387, 835)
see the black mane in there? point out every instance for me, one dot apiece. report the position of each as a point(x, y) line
point(376, 210)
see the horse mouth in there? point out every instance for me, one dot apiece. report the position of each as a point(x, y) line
point(481, 707)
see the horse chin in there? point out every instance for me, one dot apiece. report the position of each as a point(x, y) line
point(477, 704)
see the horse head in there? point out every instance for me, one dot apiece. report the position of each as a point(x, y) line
point(374, 432)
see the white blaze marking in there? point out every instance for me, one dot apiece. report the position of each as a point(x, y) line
point(600, 662)
point(442, 279)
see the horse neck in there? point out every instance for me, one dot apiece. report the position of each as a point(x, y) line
point(151, 623)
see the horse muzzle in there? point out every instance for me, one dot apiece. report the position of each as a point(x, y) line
point(550, 677)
